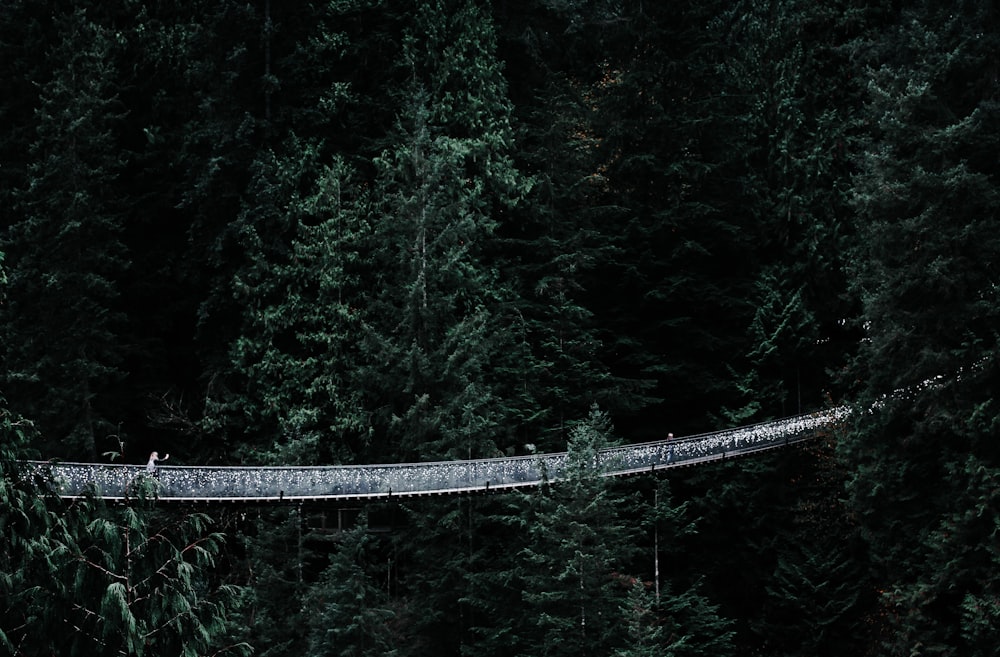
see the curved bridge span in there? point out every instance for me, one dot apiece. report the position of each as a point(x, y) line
point(360, 482)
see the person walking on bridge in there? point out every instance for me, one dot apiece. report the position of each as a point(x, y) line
point(153, 459)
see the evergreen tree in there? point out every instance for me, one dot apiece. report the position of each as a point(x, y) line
point(434, 555)
point(351, 617)
point(551, 246)
point(61, 326)
point(88, 579)
point(926, 195)
point(572, 576)
point(691, 625)
point(676, 612)
point(653, 146)
point(289, 390)
point(818, 596)
point(24, 38)
point(645, 635)
point(437, 320)
point(33, 541)
point(272, 616)
point(794, 115)
point(498, 529)
point(142, 586)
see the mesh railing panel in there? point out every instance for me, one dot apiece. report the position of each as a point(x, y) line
point(409, 479)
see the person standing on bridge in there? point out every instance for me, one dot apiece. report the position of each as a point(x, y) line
point(153, 459)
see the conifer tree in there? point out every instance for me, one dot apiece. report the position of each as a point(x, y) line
point(573, 577)
point(85, 578)
point(672, 277)
point(437, 321)
point(61, 327)
point(793, 116)
point(142, 586)
point(289, 395)
point(23, 42)
point(33, 541)
point(491, 590)
point(272, 615)
point(551, 246)
point(350, 613)
point(926, 195)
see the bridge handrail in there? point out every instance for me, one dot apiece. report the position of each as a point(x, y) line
point(246, 483)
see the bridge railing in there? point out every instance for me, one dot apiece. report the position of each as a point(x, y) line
point(239, 483)
point(715, 445)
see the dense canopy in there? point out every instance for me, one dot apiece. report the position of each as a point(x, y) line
point(353, 231)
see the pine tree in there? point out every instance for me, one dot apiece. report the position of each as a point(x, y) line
point(437, 321)
point(289, 395)
point(62, 324)
point(656, 192)
point(24, 38)
point(572, 575)
point(491, 591)
point(350, 614)
point(925, 196)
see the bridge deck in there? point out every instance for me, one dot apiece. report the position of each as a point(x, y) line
point(359, 482)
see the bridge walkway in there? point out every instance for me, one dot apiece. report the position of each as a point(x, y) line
point(259, 484)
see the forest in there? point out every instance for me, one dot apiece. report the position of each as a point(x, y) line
point(355, 231)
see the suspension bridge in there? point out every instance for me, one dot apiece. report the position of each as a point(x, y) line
point(373, 482)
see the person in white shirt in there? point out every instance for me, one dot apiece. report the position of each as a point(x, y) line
point(153, 459)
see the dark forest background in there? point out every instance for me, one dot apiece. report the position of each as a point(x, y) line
point(354, 231)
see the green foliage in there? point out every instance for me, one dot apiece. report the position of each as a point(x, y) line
point(290, 376)
point(925, 194)
point(436, 320)
point(792, 115)
point(143, 585)
point(89, 579)
point(572, 570)
point(350, 614)
point(272, 616)
point(645, 637)
point(354, 231)
point(65, 248)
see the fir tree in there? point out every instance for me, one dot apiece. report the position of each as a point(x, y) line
point(926, 197)
point(351, 616)
point(61, 326)
point(793, 118)
point(437, 321)
point(289, 395)
point(551, 247)
point(573, 570)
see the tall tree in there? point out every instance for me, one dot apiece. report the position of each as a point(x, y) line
point(286, 302)
point(289, 394)
point(643, 176)
point(351, 615)
point(273, 616)
point(923, 449)
point(573, 577)
point(61, 327)
point(551, 246)
point(437, 321)
point(793, 110)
